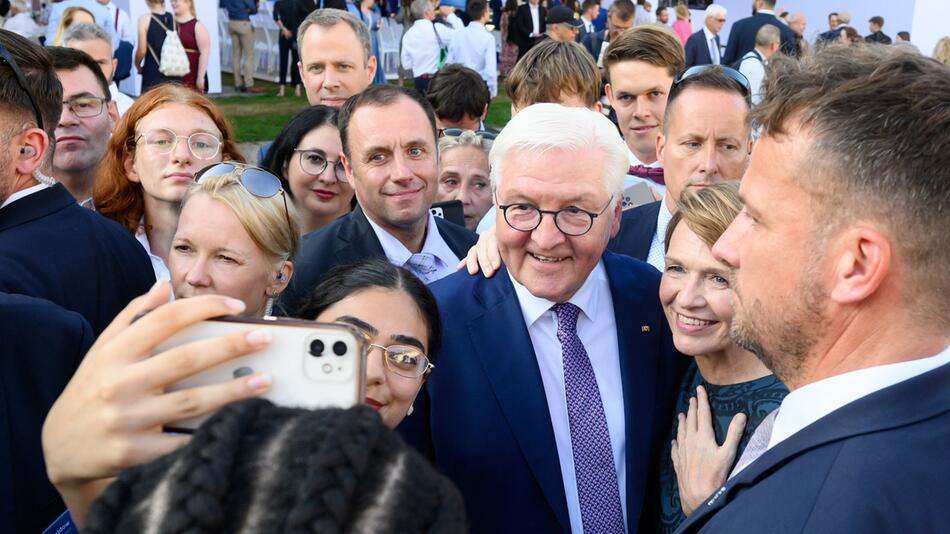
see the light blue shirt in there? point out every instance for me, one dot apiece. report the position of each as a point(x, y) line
point(597, 330)
point(474, 47)
point(657, 255)
point(398, 254)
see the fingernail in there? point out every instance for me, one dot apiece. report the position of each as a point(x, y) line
point(234, 304)
point(258, 337)
point(259, 382)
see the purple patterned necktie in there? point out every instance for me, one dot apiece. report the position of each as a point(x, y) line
point(594, 468)
point(654, 174)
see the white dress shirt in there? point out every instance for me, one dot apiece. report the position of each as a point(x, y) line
point(597, 330)
point(23, 194)
point(588, 25)
point(657, 255)
point(810, 403)
point(454, 21)
point(474, 47)
point(121, 23)
point(535, 19)
point(754, 69)
point(158, 264)
point(22, 24)
point(712, 46)
point(420, 48)
point(122, 101)
point(398, 254)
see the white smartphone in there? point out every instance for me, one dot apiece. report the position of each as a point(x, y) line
point(637, 195)
point(311, 365)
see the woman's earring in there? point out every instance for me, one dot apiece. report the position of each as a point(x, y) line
point(410, 411)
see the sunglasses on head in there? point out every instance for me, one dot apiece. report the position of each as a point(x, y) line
point(732, 74)
point(255, 180)
point(455, 132)
point(6, 57)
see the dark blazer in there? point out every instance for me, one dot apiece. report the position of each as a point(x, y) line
point(52, 248)
point(637, 228)
point(742, 37)
point(347, 240)
point(697, 50)
point(521, 27)
point(876, 465)
point(483, 416)
point(878, 37)
point(42, 345)
point(593, 42)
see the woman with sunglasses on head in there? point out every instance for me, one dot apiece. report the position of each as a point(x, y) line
point(463, 172)
point(306, 154)
point(168, 135)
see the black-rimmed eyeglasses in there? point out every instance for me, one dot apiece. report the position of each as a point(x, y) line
point(455, 132)
point(730, 73)
point(85, 107)
point(7, 58)
point(315, 162)
point(572, 221)
point(255, 180)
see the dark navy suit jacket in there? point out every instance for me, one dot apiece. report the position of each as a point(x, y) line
point(742, 37)
point(41, 346)
point(637, 228)
point(52, 248)
point(483, 416)
point(697, 50)
point(877, 465)
point(347, 240)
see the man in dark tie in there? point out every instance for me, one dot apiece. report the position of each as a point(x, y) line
point(841, 289)
point(703, 47)
point(706, 138)
point(742, 33)
point(389, 153)
point(556, 375)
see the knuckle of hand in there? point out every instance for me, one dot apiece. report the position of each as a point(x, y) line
point(187, 403)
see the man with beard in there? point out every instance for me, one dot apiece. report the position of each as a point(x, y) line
point(89, 115)
point(841, 290)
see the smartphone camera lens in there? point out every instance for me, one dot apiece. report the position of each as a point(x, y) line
point(339, 348)
point(316, 348)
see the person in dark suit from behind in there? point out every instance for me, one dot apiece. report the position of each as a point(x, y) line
point(619, 19)
point(389, 153)
point(849, 309)
point(528, 26)
point(875, 25)
point(703, 47)
point(742, 33)
point(42, 346)
point(50, 247)
point(643, 229)
point(555, 374)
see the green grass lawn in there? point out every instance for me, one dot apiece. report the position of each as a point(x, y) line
point(261, 117)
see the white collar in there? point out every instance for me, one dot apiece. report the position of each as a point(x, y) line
point(587, 298)
point(663, 218)
point(709, 33)
point(811, 402)
point(398, 254)
point(634, 160)
point(766, 12)
point(23, 193)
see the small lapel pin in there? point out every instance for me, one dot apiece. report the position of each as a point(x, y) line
point(645, 328)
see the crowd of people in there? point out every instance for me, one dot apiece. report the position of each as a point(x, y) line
point(691, 287)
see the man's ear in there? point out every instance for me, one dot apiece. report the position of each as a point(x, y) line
point(862, 264)
point(610, 94)
point(660, 148)
point(485, 113)
point(371, 68)
point(33, 145)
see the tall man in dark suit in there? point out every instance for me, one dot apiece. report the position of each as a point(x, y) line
point(42, 347)
point(742, 33)
point(706, 138)
point(841, 289)
point(389, 152)
point(528, 25)
point(703, 47)
point(555, 375)
point(49, 246)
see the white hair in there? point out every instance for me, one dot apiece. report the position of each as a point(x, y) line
point(715, 11)
point(542, 127)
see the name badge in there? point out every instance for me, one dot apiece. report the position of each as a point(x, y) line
point(62, 525)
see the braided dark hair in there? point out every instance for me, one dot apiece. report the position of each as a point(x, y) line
point(257, 467)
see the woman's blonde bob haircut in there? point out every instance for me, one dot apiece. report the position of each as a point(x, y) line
point(264, 219)
point(707, 211)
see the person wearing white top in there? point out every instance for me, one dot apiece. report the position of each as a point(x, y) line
point(121, 22)
point(474, 46)
point(422, 44)
point(447, 13)
point(767, 42)
point(20, 20)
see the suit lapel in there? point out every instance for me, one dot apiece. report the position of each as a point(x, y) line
point(509, 361)
point(357, 239)
point(907, 402)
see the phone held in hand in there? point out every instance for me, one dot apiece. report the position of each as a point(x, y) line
point(450, 210)
point(311, 365)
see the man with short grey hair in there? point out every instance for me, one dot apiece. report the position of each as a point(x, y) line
point(425, 46)
point(753, 64)
point(94, 41)
point(335, 60)
point(703, 47)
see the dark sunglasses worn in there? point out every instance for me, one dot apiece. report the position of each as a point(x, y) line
point(731, 73)
point(6, 57)
point(455, 132)
point(255, 180)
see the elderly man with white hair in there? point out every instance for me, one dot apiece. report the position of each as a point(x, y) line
point(555, 376)
point(21, 20)
point(703, 47)
point(425, 46)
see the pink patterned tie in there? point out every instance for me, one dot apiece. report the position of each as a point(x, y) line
point(594, 468)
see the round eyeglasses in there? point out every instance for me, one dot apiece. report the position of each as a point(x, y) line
point(315, 162)
point(572, 221)
point(86, 106)
point(403, 360)
point(202, 145)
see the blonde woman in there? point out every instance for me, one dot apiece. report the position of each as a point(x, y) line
point(72, 16)
point(942, 51)
point(463, 172)
point(682, 26)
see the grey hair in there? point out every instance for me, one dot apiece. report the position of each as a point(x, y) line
point(566, 128)
point(767, 35)
point(86, 32)
point(716, 10)
point(466, 138)
point(419, 8)
point(328, 18)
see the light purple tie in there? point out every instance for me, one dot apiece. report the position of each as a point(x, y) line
point(594, 467)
